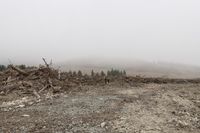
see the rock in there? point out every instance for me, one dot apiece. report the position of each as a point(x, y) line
point(25, 115)
point(103, 124)
point(182, 124)
point(6, 109)
point(30, 103)
point(21, 106)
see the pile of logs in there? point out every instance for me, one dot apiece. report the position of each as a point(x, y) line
point(29, 81)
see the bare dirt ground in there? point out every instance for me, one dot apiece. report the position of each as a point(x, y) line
point(139, 108)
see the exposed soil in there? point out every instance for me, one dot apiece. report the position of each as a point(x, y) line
point(136, 108)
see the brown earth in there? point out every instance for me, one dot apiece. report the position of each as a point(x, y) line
point(140, 108)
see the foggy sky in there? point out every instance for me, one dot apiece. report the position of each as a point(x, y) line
point(152, 30)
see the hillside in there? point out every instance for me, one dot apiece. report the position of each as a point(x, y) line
point(134, 67)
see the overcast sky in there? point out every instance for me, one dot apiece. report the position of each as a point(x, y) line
point(153, 30)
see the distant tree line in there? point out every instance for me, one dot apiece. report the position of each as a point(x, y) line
point(116, 72)
point(97, 74)
point(4, 67)
point(112, 72)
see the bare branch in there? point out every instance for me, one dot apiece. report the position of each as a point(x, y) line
point(47, 65)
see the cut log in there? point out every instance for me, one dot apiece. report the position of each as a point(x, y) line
point(8, 88)
point(9, 80)
point(19, 70)
point(36, 94)
point(46, 86)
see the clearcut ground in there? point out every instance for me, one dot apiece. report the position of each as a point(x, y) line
point(141, 108)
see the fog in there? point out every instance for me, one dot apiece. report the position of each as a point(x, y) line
point(148, 30)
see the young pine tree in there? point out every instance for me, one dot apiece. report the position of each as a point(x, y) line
point(80, 73)
point(92, 73)
point(102, 73)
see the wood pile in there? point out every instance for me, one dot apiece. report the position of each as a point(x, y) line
point(29, 81)
point(40, 80)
